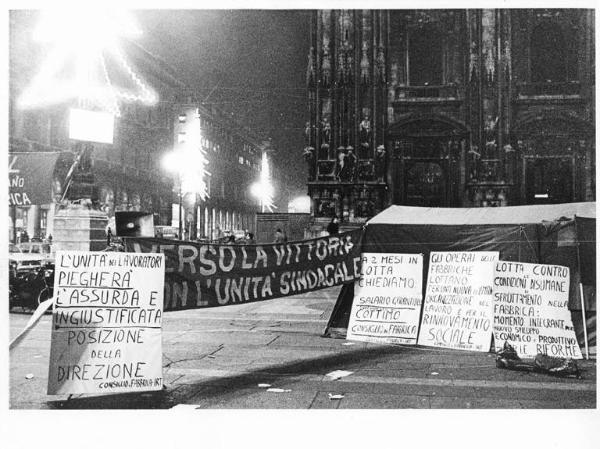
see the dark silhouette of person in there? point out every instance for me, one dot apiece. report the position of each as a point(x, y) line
point(333, 227)
point(351, 163)
point(380, 163)
point(280, 236)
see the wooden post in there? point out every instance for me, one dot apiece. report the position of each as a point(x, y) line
point(587, 352)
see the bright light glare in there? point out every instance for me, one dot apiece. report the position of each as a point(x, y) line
point(300, 204)
point(170, 162)
point(91, 126)
point(188, 160)
point(94, 28)
point(189, 165)
point(263, 189)
point(83, 49)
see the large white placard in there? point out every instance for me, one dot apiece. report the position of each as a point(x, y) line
point(530, 310)
point(106, 322)
point(387, 299)
point(458, 306)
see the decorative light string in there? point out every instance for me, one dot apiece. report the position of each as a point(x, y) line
point(85, 47)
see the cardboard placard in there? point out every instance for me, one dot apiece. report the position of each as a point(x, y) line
point(458, 306)
point(106, 322)
point(530, 310)
point(387, 299)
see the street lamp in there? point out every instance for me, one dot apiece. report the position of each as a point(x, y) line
point(171, 161)
point(263, 189)
point(264, 193)
point(188, 159)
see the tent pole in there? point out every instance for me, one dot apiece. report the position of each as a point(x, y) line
point(587, 352)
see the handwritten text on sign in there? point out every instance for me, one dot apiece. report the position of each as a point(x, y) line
point(530, 310)
point(106, 323)
point(457, 311)
point(387, 299)
point(207, 275)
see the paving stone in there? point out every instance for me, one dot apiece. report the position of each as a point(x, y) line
point(253, 398)
point(383, 401)
point(279, 342)
point(322, 401)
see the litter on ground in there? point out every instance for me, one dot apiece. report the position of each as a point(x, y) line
point(338, 374)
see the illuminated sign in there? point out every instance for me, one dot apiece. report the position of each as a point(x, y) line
point(91, 126)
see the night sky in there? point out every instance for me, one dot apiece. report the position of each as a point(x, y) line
point(249, 62)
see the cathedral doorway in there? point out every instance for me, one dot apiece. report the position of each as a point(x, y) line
point(426, 184)
point(427, 155)
point(550, 180)
point(557, 158)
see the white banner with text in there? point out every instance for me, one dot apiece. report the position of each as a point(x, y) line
point(530, 310)
point(387, 299)
point(458, 306)
point(106, 323)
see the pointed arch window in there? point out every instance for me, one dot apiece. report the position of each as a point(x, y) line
point(548, 54)
point(425, 57)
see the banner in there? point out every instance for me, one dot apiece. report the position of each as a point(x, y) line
point(106, 323)
point(30, 177)
point(387, 299)
point(208, 275)
point(458, 307)
point(530, 310)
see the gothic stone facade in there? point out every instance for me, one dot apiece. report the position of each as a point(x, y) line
point(449, 108)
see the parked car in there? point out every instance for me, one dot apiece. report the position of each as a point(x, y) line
point(24, 261)
point(28, 288)
point(41, 249)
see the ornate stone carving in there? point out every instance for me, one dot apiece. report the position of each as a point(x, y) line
point(380, 159)
point(364, 65)
point(364, 132)
point(309, 156)
point(310, 69)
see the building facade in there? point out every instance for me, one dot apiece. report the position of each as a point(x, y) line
point(449, 108)
point(233, 155)
point(123, 176)
point(49, 171)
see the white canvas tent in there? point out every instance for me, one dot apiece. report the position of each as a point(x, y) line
point(561, 234)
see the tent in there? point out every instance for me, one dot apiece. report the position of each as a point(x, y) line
point(561, 234)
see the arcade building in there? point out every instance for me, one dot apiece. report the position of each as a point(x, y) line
point(67, 190)
point(449, 108)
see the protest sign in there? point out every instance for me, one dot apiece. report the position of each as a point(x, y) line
point(387, 299)
point(458, 306)
point(208, 275)
point(106, 323)
point(530, 310)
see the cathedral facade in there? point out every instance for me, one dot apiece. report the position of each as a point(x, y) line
point(449, 108)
